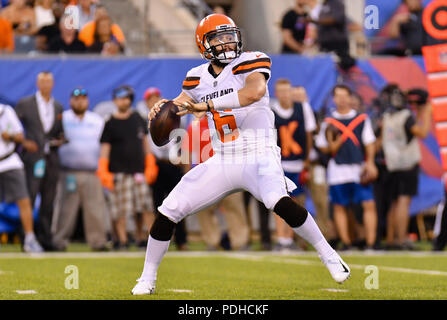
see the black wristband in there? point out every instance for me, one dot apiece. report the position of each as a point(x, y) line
point(208, 106)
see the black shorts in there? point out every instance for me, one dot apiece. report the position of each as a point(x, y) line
point(403, 183)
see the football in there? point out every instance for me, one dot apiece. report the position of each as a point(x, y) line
point(164, 122)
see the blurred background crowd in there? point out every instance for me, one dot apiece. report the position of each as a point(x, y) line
point(135, 27)
point(86, 169)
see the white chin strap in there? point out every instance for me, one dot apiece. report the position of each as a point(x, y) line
point(226, 57)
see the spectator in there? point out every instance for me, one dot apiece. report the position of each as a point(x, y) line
point(357, 103)
point(43, 11)
point(314, 8)
point(169, 174)
point(317, 184)
point(294, 25)
point(12, 175)
point(86, 10)
point(264, 221)
point(198, 146)
point(400, 131)
point(87, 33)
point(440, 229)
point(6, 36)
point(21, 16)
point(47, 33)
point(408, 26)
point(295, 123)
point(150, 96)
point(23, 20)
point(349, 139)
point(126, 166)
point(332, 31)
point(41, 116)
point(104, 39)
point(78, 183)
point(105, 109)
point(67, 41)
point(381, 192)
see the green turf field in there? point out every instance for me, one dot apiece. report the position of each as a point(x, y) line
point(222, 275)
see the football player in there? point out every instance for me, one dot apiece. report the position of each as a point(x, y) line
point(231, 90)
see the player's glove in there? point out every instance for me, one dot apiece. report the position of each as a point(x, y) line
point(151, 169)
point(105, 176)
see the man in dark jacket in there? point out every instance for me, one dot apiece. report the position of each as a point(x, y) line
point(41, 117)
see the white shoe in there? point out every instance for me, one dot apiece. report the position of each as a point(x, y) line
point(338, 269)
point(31, 245)
point(143, 287)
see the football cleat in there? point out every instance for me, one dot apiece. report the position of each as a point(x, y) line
point(144, 287)
point(338, 269)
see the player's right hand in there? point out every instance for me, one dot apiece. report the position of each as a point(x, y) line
point(156, 108)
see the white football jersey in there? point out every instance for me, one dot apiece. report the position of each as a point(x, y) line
point(234, 131)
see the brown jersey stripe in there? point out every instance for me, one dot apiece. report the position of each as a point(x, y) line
point(267, 60)
point(190, 87)
point(191, 82)
point(252, 61)
point(251, 67)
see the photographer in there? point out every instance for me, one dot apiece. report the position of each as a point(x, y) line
point(400, 130)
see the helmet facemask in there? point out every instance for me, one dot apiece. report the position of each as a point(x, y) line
point(221, 38)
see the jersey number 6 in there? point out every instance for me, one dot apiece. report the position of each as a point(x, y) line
point(226, 126)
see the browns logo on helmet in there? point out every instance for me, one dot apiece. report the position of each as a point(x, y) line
point(223, 29)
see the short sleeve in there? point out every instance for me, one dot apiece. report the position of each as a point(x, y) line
point(288, 21)
point(320, 140)
point(143, 123)
point(191, 82)
point(118, 33)
point(309, 118)
point(106, 136)
point(14, 126)
point(253, 62)
point(368, 135)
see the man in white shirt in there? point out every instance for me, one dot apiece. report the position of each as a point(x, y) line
point(78, 183)
point(41, 117)
point(348, 137)
point(12, 175)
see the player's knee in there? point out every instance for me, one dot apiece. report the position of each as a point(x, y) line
point(175, 207)
point(271, 199)
point(163, 228)
point(292, 213)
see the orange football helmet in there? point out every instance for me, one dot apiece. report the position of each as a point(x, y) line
point(222, 28)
